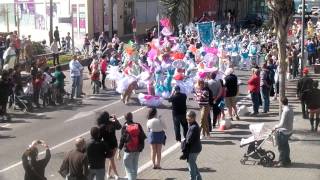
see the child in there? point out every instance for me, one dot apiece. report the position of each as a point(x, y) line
point(95, 76)
point(59, 85)
point(37, 84)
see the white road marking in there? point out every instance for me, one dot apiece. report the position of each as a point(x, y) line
point(88, 113)
point(63, 143)
point(164, 154)
point(6, 125)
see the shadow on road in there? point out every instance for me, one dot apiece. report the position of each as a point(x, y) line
point(203, 169)
point(304, 165)
point(6, 137)
point(217, 142)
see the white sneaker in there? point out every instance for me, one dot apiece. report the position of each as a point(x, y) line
point(116, 177)
point(109, 176)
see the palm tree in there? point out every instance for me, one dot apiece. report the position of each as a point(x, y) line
point(282, 12)
point(178, 11)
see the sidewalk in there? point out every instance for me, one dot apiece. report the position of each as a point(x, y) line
point(221, 154)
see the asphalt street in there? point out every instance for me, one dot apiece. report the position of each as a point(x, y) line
point(60, 126)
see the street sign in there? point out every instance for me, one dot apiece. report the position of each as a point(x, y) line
point(65, 20)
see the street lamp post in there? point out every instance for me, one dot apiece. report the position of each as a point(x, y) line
point(302, 36)
point(51, 23)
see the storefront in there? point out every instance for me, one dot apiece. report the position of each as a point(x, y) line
point(32, 17)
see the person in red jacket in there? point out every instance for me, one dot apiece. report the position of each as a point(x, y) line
point(103, 70)
point(254, 90)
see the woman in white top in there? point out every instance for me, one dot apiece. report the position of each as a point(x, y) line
point(156, 136)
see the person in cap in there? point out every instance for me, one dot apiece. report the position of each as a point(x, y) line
point(179, 110)
point(304, 84)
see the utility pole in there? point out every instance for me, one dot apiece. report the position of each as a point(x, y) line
point(302, 37)
point(7, 17)
point(51, 23)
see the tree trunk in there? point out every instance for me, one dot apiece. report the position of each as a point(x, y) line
point(281, 41)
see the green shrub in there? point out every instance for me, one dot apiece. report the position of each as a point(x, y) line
point(37, 48)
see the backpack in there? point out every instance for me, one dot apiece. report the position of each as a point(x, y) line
point(133, 142)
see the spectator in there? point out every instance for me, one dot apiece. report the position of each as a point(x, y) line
point(97, 153)
point(132, 140)
point(75, 73)
point(191, 147)
point(202, 95)
point(304, 84)
point(56, 35)
point(95, 76)
point(59, 84)
point(86, 44)
point(102, 41)
point(55, 51)
point(75, 163)
point(68, 40)
point(276, 81)
point(5, 91)
point(311, 52)
point(37, 84)
point(2, 49)
point(28, 51)
point(232, 88)
point(254, 90)
point(116, 41)
point(284, 131)
point(311, 98)
point(265, 85)
point(34, 168)
point(108, 130)
point(216, 91)
point(103, 70)
point(179, 110)
point(156, 136)
point(9, 57)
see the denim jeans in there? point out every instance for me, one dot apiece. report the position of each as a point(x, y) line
point(265, 92)
point(304, 109)
point(180, 119)
point(75, 86)
point(97, 174)
point(283, 148)
point(255, 101)
point(130, 161)
point(193, 168)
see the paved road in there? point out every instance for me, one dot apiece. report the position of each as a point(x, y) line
point(59, 126)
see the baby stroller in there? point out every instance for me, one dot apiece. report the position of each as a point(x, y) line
point(23, 99)
point(260, 135)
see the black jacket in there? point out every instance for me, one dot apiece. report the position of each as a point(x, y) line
point(97, 153)
point(125, 137)
point(108, 133)
point(312, 98)
point(305, 83)
point(192, 143)
point(34, 169)
point(178, 101)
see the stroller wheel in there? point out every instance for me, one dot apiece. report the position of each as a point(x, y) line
point(270, 155)
point(266, 162)
point(243, 161)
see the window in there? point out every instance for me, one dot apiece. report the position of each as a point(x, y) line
point(146, 11)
